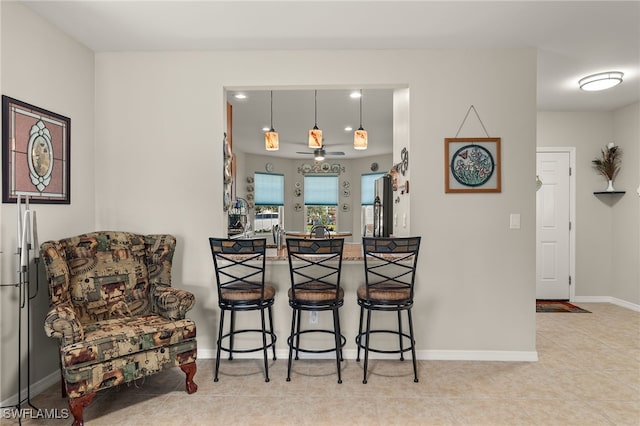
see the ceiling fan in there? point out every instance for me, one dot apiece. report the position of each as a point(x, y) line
point(319, 153)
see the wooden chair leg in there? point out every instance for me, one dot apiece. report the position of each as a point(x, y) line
point(77, 406)
point(190, 371)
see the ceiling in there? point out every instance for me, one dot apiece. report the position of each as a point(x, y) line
point(573, 38)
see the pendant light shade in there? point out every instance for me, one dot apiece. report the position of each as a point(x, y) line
point(315, 134)
point(360, 138)
point(271, 138)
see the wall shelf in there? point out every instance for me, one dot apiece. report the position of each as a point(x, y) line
point(609, 192)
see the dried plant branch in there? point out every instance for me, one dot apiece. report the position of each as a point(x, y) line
point(610, 161)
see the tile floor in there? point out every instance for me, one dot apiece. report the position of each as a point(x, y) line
point(588, 374)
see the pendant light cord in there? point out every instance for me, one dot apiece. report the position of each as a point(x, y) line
point(315, 108)
point(360, 109)
point(272, 110)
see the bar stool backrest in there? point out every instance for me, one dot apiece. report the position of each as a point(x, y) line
point(239, 264)
point(315, 264)
point(390, 263)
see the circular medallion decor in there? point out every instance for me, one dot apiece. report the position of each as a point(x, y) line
point(472, 165)
point(374, 167)
point(269, 167)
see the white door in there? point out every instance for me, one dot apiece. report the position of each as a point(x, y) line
point(553, 226)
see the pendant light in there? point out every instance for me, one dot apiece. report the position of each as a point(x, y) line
point(315, 134)
point(271, 139)
point(360, 139)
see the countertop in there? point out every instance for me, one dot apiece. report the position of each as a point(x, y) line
point(352, 251)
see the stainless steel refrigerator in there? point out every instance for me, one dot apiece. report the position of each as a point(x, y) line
point(383, 207)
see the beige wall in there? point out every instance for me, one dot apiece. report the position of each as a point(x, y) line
point(146, 157)
point(626, 215)
point(160, 118)
point(347, 221)
point(44, 67)
point(606, 257)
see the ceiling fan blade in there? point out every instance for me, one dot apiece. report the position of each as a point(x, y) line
point(307, 153)
point(335, 153)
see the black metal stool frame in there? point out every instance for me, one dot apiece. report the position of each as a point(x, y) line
point(390, 267)
point(315, 265)
point(239, 266)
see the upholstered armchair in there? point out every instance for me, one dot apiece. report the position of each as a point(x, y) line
point(115, 313)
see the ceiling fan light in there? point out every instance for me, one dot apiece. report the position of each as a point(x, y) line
point(271, 140)
point(315, 137)
point(360, 139)
point(601, 81)
point(318, 154)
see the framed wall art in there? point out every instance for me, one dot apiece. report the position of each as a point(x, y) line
point(472, 165)
point(35, 154)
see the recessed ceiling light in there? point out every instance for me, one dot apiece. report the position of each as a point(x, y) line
point(348, 129)
point(240, 96)
point(601, 81)
point(355, 95)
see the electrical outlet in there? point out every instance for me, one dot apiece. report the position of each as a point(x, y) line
point(313, 317)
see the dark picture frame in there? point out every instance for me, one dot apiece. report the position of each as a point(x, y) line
point(36, 156)
point(472, 165)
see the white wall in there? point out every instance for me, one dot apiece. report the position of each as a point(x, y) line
point(606, 258)
point(44, 67)
point(159, 125)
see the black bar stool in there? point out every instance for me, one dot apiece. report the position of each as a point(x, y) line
point(315, 266)
point(389, 269)
point(239, 267)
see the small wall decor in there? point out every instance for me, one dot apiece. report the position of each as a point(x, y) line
point(297, 207)
point(472, 165)
point(346, 193)
point(35, 154)
point(319, 167)
point(608, 164)
point(345, 207)
point(297, 192)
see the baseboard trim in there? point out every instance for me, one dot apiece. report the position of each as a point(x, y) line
point(607, 299)
point(36, 388)
point(426, 355)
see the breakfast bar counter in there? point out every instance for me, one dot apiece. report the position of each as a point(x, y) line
point(351, 252)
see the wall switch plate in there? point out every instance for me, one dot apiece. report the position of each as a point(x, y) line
point(514, 221)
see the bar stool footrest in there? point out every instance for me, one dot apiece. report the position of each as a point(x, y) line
point(270, 335)
point(384, 351)
point(343, 341)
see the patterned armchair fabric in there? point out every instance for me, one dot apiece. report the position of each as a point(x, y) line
point(115, 313)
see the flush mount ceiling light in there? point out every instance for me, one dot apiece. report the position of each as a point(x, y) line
point(271, 140)
point(318, 154)
point(601, 81)
point(360, 139)
point(315, 134)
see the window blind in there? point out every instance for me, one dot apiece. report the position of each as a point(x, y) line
point(368, 188)
point(321, 190)
point(269, 189)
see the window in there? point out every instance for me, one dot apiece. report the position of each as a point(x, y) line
point(320, 200)
point(269, 189)
point(269, 199)
point(367, 196)
point(368, 188)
